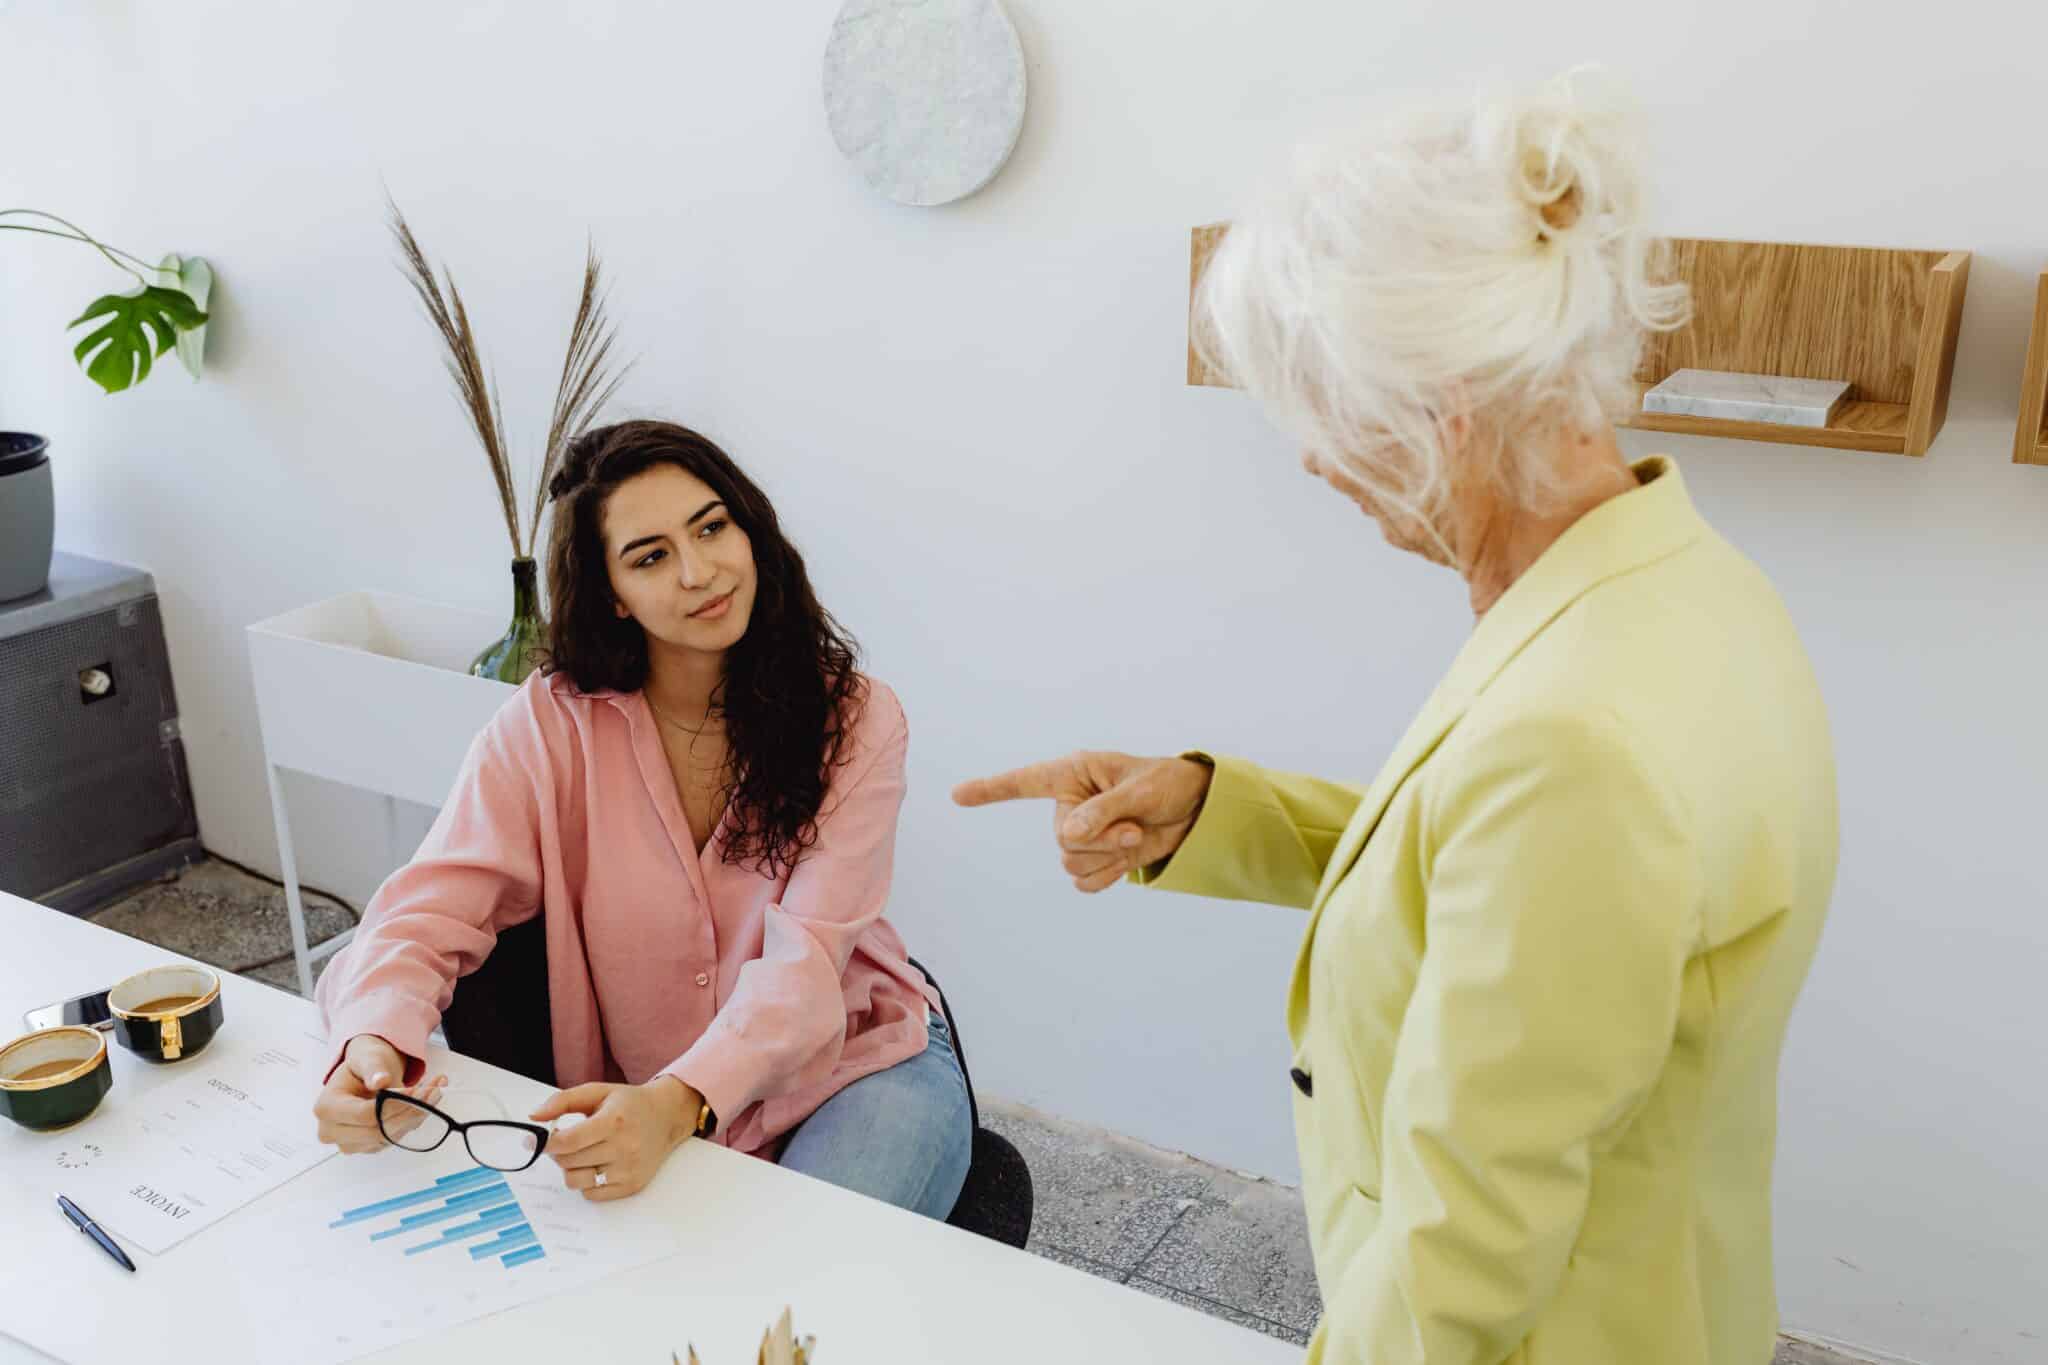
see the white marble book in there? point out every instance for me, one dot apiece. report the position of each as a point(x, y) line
point(1748, 397)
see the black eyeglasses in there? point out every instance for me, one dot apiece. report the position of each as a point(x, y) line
point(417, 1126)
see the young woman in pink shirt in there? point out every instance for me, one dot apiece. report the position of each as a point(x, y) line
point(698, 793)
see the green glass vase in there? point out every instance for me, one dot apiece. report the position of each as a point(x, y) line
point(515, 654)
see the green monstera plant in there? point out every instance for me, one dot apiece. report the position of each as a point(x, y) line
point(136, 328)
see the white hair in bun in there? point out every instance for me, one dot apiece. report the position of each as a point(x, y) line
point(1488, 259)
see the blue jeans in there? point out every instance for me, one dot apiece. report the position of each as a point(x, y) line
point(903, 1136)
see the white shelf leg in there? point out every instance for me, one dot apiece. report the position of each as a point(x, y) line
point(328, 947)
point(289, 869)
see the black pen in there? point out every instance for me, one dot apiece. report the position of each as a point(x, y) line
point(92, 1230)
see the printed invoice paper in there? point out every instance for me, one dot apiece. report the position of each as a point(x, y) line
point(155, 1166)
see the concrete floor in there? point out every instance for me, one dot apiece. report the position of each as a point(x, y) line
point(1158, 1221)
point(1186, 1231)
point(1166, 1224)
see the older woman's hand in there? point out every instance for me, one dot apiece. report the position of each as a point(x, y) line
point(1112, 813)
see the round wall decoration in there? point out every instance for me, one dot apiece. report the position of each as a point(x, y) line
point(926, 97)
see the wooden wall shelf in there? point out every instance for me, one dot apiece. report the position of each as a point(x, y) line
point(1207, 239)
point(1884, 320)
point(2030, 441)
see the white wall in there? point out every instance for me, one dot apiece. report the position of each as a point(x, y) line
point(974, 420)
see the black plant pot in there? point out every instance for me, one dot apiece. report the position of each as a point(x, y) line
point(28, 515)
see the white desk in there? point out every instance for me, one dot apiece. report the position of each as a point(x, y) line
point(872, 1283)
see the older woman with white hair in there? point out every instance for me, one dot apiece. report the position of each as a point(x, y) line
point(1552, 949)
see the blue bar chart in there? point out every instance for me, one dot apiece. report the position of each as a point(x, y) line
point(473, 1210)
point(428, 1242)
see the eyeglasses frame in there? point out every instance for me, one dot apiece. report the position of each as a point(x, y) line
point(457, 1126)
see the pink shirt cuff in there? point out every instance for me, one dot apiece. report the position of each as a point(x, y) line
point(399, 1020)
point(726, 1072)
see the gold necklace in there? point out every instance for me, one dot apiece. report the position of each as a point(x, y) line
point(665, 716)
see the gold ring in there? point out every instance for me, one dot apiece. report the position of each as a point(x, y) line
point(600, 1177)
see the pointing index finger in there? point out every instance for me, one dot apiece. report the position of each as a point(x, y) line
point(1039, 781)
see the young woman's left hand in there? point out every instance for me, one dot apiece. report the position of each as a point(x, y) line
point(628, 1132)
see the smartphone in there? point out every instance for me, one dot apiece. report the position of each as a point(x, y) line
point(90, 1010)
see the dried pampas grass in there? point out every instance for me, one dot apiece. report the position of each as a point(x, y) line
point(779, 1346)
point(586, 385)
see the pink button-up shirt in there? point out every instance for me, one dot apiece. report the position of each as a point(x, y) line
point(765, 994)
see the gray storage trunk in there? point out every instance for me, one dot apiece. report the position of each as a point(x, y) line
point(95, 798)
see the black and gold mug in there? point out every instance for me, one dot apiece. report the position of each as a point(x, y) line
point(166, 1013)
point(54, 1077)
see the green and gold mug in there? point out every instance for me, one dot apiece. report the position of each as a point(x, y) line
point(54, 1077)
point(166, 1013)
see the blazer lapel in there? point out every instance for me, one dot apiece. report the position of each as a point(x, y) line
point(1427, 731)
point(1617, 537)
point(1433, 723)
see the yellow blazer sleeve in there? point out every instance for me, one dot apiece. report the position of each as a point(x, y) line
point(1563, 903)
point(1261, 836)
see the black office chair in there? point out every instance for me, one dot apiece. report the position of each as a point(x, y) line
point(996, 1200)
point(499, 1014)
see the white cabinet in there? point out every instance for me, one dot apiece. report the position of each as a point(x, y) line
point(372, 690)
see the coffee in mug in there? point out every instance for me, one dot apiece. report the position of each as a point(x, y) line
point(54, 1077)
point(166, 1013)
point(169, 1004)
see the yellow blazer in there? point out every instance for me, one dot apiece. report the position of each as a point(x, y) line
point(1550, 957)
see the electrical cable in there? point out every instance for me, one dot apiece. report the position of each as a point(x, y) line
point(355, 916)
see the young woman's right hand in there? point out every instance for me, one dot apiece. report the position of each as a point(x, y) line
point(347, 1107)
point(1113, 813)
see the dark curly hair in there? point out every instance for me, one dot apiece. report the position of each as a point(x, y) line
point(792, 693)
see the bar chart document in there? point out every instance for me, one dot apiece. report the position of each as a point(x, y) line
point(424, 1242)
